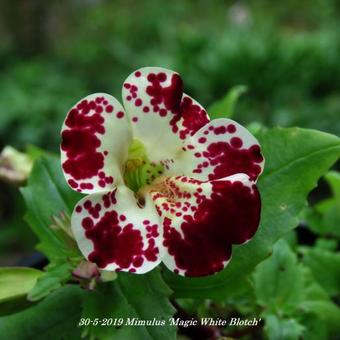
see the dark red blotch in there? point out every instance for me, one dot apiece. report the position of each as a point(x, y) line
point(115, 241)
point(80, 142)
point(229, 160)
point(230, 216)
point(192, 116)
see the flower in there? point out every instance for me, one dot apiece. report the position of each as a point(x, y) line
point(15, 166)
point(164, 182)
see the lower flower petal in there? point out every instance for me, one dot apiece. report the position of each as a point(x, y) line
point(221, 148)
point(117, 232)
point(202, 220)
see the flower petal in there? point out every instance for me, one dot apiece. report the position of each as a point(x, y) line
point(221, 148)
point(202, 220)
point(115, 232)
point(161, 115)
point(95, 139)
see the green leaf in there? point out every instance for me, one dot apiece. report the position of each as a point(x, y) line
point(52, 278)
point(56, 317)
point(324, 217)
point(325, 266)
point(17, 281)
point(282, 329)
point(326, 244)
point(14, 306)
point(47, 194)
point(224, 108)
point(317, 303)
point(278, 281)
point(143, 297)
point(295, 159)
point(333, 179)
point(287, 290)
point(314, 329)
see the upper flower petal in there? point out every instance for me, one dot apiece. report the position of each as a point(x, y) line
point(162, 115)
point(115, 232)
point(95, 138)
point(221, 148)
point(202, 220)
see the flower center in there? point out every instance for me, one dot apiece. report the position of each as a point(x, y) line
point(139, 171)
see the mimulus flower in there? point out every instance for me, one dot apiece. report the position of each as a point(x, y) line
point(164, 183)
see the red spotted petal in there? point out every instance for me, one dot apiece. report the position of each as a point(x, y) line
point(202, 220)
point(95, 139)
point(219, 149)
point(114, 231)
point(162, 115)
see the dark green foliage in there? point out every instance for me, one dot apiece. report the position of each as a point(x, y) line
point(286, 54)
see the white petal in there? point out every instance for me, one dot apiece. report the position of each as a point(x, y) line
point(95, 138)
point(162, 115)
point(202, 220)
point(221, 148)
point(115, 232)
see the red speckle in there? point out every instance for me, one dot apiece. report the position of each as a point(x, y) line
point(87, 204)
point(236, 142)
point(230, 216)
point(146, 109)
point(162, 112)
point(87, 223)
point(109, 180)
point(99, 109)
point(161, 76)
point(202, 140)
point(72, 183)
point(86, 186)
point(109, 108)
point(220, 130)
point(135, 119)
point(120, 114)
point(79, 209)
point(138, 261)
point(138, 102)
point(151, 77)
point(231, 128)
point(138, 74)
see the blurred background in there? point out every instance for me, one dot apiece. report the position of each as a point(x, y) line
point(52, 53)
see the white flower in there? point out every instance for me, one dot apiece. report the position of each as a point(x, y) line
point(164, 182)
